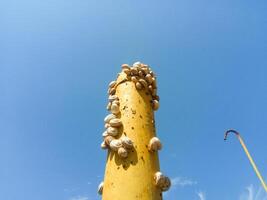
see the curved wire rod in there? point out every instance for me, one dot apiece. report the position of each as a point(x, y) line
point(248, 155)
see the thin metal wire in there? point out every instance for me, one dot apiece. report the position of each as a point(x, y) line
point(248, 155)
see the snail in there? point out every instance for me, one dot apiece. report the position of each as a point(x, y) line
point(149, 78)
point(115, 109)
point(125, 66)
point(138, 86)
point(113, 98)
point(105, 134)
point(161, 181)
point(115, 122)
point(109, 117)
point(104, 145)
point(112, 84)
point(127, 142)
point(143, 82)
point(115, 145)
point(111, 91)
point(154, 144)
point(100, 188)
point(122, 152)
point(155, 104)
point(112, 131)
point(108, 139)
point(134, 79)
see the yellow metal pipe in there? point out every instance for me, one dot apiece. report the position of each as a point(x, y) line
point(132, 178)
point(249, 157)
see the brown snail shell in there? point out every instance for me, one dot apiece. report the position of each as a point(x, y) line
point(155, 104)
point(115, 122)
point(115, 145)
point(149, 78)
point(134, 71)
point(162, 181)
point(111, 91)
point(134, 79)
point(143, 82)
point(154, 144)
point(112, 131)
point(100, 188)
point(127, 142)
point(138, 86)
point(122, 152)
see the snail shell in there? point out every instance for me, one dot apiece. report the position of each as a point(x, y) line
point(149, 78)
point(166, 184)
point(138, 86)
point(116, 102)
point(100, 188)
point(155, 104)
point(115, 109)
point(122, 152)
point(112, 131)
point(134, 71)
point(137, 64)
point(134, 79)
point(143, 82)
point(109, 117)
point(127, 71)
point(154, 92)
point(115, 145)
point(154, 82)
point(141, 73)
point(112, 98)
point(105, 134)
point(112, 84)
point(125, 66)
point(127, 142)
point(154, 144)
point(109, 106)
point(145, 70)
point(107, 125)
point(115, 122)
point(108, 139)
point(111, 91)
point(104, 145)
point(162, 181)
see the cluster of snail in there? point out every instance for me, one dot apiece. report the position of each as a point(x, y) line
point(144, 78)
point(112, 125)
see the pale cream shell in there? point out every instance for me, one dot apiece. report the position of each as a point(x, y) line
point(115, 145)
point(109, 117)
point(112, 131)
point(113, 98)
point(115, 109)
point(127, 142)
point(115, 122)
point(122, 152)
point(154, 144)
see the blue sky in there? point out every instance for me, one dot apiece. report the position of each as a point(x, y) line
point(57, 57)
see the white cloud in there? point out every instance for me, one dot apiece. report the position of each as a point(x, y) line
point(181, 181)
point(253, 194)
point(79, 198)
point(201, 195)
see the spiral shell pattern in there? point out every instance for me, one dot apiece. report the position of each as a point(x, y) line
point(154, 144)
point(161, 181)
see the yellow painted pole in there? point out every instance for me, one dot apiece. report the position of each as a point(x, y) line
point(249, 157)
point(132, 177)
